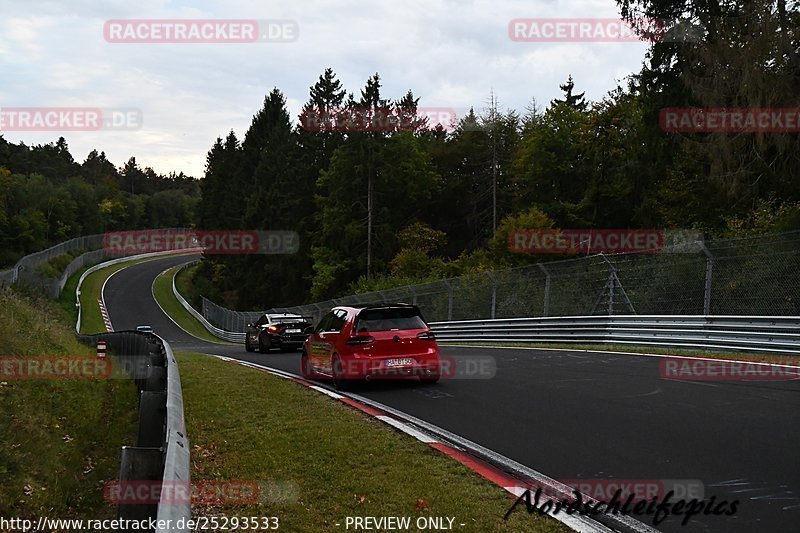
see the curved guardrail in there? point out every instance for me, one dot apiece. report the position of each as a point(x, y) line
point(161, 454)
point(230, 336)
point(722, 332)
point(176, 452)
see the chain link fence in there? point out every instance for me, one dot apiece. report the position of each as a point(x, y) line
point(28, 270)
point(746, 276)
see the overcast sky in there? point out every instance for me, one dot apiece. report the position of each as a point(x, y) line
point(450, 53)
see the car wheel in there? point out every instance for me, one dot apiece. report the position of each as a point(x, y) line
point(263, 348)
point(337, 371)
point(305, 367)
point(247, 346)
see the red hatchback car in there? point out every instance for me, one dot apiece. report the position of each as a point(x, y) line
point(385, 341)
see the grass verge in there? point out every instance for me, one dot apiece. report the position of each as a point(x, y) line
point(324, 461)
point(66, 301)
point(162, 292)
point(61, 438)
point(184, 284)
point(676, 352)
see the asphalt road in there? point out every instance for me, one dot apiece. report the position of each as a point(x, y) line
point(577, 415)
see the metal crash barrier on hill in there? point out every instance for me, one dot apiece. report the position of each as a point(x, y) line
point(161, 455)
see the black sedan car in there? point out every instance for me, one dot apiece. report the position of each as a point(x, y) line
point(285, 332)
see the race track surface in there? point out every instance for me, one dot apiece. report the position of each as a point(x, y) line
point(578, 415)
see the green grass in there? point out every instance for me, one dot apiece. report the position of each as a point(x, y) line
point(677, 352)
point(184, 284)
point(162, 292)
point(66, 301)
point(54, 268)
point(328, 460)
point(61, 438)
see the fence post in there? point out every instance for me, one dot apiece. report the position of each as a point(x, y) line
point(709, 274)
point(449, 299)
point(546, 311)
point(494, 292)
point(413, 295)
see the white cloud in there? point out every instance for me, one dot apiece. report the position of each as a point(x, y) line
point(450, 53)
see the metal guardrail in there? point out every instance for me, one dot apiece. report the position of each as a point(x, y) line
point(722, 332)
point(230, 336)
point(161, 453)
point(772, 334)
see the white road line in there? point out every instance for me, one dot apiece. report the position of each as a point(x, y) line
point(405, 428)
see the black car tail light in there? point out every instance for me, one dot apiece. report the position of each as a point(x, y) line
point(360, 340)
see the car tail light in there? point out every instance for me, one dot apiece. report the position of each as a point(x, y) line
point(274, 329)
point(360, 339)
point(426, 335)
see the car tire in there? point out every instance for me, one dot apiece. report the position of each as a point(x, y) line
point(340, 383)
point(247, 346)
point(306, 370)
point(261, 347)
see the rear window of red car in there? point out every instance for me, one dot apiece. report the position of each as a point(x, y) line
point(388, 319)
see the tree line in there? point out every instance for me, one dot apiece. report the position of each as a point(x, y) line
point(46, 197)
point(381, 207)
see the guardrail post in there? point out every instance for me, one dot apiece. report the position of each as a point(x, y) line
point(709, 273)
point(610, 292)
point(546, 310)
point(152, 414)
point(138, 466)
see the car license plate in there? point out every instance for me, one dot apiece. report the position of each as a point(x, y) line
point(292, 331)
point(398, 362)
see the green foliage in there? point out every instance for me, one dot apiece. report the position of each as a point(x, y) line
point(501, 254)
point(766, 215)
point(46, 197)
